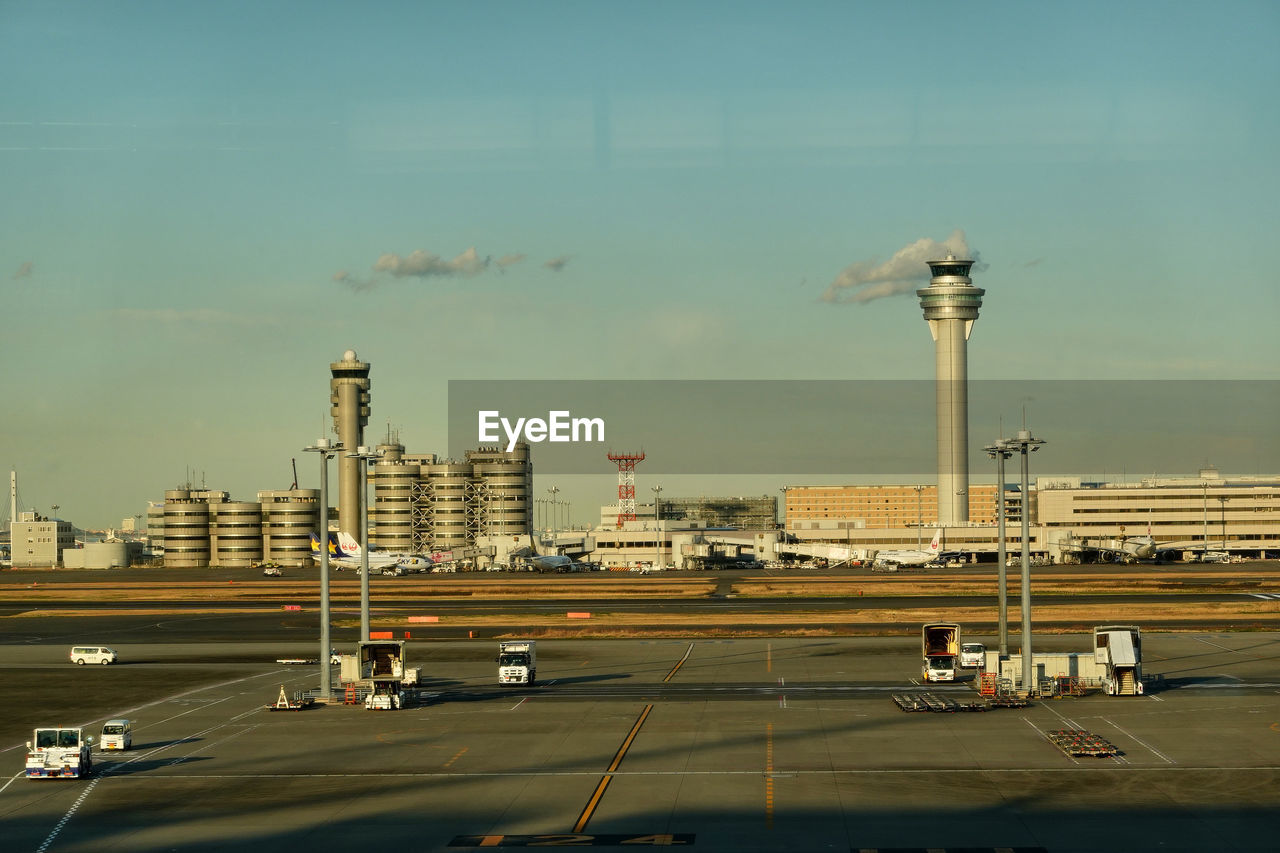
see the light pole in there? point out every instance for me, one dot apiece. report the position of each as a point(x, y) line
point(1204, 545)
point(363, 454)
point(1223, 501)
point(657, 529)
point(1026, 445)
point(919, 515)
point(553, 491)
point(1000, 452)
point(327, 451)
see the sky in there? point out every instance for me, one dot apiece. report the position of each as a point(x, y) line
point(205, 204)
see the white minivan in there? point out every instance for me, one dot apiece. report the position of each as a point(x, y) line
point(117, 734)
point(92, 654)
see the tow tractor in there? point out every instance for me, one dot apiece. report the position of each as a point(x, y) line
point(58, 753)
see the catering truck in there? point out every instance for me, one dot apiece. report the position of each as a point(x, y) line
point(940, 644)
point(517, 662)
point(58, 753)
point(382, 668)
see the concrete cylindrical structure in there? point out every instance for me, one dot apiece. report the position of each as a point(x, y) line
point(950, 304)
point(290, 517)
point(236, 530)
point(393, 480)
point(349, 404)
point(449, 483)
point(186, 530)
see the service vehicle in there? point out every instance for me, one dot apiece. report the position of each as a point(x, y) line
point(272, 571)
point(116, 734)
point(940, 644)
point(518, 662)
point(1119, 649)
point(93, 654)
point(58, 753)
point(972, 655)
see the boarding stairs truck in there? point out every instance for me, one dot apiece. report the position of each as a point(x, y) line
point(59, 753)
point(1119, 649)
point(517, 662)
point(940, 644)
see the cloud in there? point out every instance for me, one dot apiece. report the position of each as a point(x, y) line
point(423, 264)
point(903, 273)
point(353, 282)
point(25, 270)
point(507, 260)
point(557, 264)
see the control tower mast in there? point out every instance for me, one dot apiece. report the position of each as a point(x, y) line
point(951, 304)
point(349, 404)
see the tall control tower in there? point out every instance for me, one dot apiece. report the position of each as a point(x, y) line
point(349, 401)
point(951, 304)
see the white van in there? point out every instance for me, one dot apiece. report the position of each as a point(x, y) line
point(117, 734)
point(92, 654)
point(973, 655)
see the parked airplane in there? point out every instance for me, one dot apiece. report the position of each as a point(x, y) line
point(911, 558)
point(550, 563)
point(345, 554)
point(382, 559)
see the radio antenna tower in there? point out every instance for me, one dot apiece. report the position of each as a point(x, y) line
point(626, 463)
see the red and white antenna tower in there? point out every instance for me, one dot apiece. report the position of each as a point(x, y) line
point(626, 484)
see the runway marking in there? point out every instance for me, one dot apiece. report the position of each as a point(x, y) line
point(22, 772)
point(210, 745)
point(590, 808)
point(1046, 737)
point(639, 774)
point(768, 776)
point(1215, 645)
point(456, 756)
point(768, 658)
point(114, 770)
point(66, 817)
point(518, 704)
point(1166, 759)
point(676, 668)
point(129, 711)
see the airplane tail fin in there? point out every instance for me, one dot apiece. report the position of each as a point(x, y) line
point(348, 545)
point(935, 544)
point(315, 545)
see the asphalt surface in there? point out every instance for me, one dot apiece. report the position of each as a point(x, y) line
point(715, 745)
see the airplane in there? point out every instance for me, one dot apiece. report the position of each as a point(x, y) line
point(382, 559)
point(911, 557)
point(345, 554)
point(551, 563)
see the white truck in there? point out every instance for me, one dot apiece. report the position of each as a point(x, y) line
point(940, 644)
point(517, 662)
point(58, 753)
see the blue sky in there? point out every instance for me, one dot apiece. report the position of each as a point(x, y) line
point(198, 196)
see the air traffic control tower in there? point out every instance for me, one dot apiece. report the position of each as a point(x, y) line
point(951, 304)
point(349, 402)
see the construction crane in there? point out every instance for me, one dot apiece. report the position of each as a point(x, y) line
point(295, 474)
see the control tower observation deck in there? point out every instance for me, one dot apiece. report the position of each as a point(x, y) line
point(951, 304)
point(349, 405)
